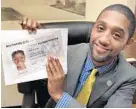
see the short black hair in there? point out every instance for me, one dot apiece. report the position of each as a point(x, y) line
point(16, 52)
point(125, 11)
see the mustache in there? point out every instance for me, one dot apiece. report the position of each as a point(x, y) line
point(97, 43)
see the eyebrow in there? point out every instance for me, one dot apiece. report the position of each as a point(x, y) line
point(101, 22)
point(120, 29)
point(117, 28)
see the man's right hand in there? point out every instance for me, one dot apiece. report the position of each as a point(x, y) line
point(30, 24)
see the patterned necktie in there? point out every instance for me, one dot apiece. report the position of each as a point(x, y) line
point(85, 92)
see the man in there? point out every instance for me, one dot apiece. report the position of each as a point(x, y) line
point(18, 58)
point(111, 79)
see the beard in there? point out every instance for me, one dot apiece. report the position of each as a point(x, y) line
point(100, 57)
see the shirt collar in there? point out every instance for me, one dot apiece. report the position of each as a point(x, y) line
point(89, 65)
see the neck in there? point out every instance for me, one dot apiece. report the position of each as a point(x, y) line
point(97, 64)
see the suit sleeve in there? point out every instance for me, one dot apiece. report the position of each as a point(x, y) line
point(75, 104)
point(123, 97)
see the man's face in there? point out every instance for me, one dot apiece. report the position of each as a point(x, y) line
point(109, 35)
point(19, 59)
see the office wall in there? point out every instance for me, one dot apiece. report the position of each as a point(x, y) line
point(94, 7)
point(9, 94)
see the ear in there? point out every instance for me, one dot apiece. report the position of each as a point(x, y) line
point(130, 41)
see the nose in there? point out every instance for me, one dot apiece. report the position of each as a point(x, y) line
point(18, 60)
point(105, 39)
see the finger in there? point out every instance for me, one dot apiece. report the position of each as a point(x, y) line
point(55, 64)
point(20, 22)
point(30, 31)
point(59, 64)
point(58, 67)
point(38, 25)
point(51, 67)
point(29, 23)
point(33, 25)
point(24, 23)
point(48, 71)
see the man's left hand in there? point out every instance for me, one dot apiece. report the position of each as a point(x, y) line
point(55, 78)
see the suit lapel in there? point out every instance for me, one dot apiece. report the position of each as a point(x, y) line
point(105, 81)
point(75, 63)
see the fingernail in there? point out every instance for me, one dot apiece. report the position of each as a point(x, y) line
point(20, 22)
point(29, 31)
point(48, 58)
point(34, 30)
point(54, 58)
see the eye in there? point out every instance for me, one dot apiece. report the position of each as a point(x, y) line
point(117, 35)
point(100, 28)
point(15, 59)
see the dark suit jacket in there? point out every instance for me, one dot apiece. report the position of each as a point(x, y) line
point(112, 89)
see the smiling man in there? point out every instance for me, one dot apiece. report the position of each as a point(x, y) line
point(110, 34)
point(98, 75)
